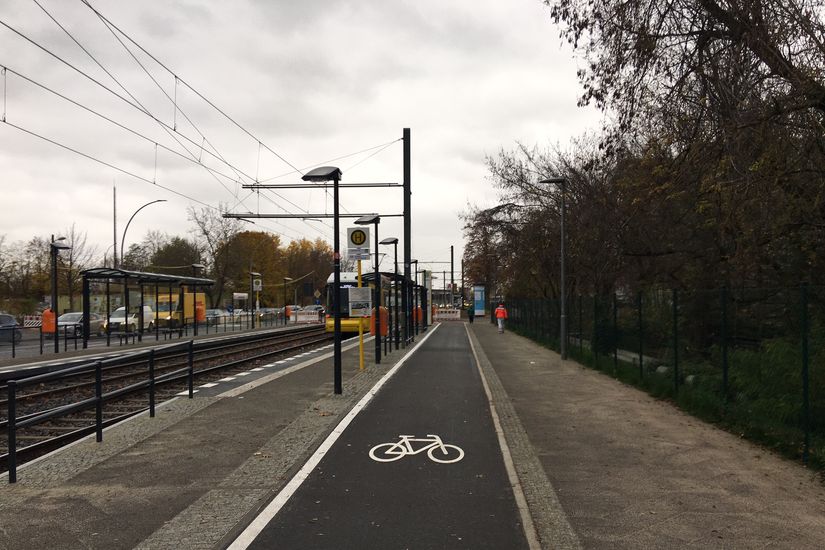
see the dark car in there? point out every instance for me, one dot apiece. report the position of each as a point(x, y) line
point(9, 329)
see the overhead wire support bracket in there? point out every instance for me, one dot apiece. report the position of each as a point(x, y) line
point(304, 216)
point(314, 185)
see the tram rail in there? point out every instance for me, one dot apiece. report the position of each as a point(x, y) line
point(65, 405)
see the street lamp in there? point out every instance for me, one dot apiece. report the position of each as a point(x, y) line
point(375, 219)
point(322, 174)
point(54, 248)
point(195, 269)
point(394, 241)
point(286, 280)
point(561, 182)
point(123, 237)
point(252, 311)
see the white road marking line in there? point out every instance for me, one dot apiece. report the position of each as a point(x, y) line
point(281, 362)
point(209, 385)
point(186, 393)
point(257, 369)
point(247, 373)
point(227, 379)
point(260, 522)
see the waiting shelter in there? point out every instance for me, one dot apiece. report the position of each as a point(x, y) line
point(160, 284)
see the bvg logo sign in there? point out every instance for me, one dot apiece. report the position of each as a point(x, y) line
point(358, 237)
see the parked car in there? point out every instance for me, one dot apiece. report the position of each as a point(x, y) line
point(72, 324)
point(9, 329)
point(215, 316)
point(120, 322)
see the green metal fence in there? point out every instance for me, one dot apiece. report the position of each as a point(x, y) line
point(751, 360)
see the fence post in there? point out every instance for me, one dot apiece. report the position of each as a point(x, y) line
point(12, 429)
point(675, 341)
point(191, 374)
point(595, 331)
point(581, 326)
point(152, 383)
point(99, 401)
point(725, 344)
point(641, 335)
point(806, 421)
point(615, 335)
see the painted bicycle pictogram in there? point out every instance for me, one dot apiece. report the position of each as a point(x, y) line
point(437, 450)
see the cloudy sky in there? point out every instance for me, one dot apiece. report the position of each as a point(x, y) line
point(311, 81)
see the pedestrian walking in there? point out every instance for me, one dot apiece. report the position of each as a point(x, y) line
point(501, 315)
point(471, 313)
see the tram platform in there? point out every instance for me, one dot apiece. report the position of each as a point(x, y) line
point(554, 455)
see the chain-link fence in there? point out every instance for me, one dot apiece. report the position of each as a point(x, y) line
point(751, 360)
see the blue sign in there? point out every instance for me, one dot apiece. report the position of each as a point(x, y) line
point(479, 299)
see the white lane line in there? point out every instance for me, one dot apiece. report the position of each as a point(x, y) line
point(227, 379)
point(281, 362)
point(257, 369)
point(209, 385)
point(254, 529)
point(246, 373)
point(521, 502)
point(186, 393)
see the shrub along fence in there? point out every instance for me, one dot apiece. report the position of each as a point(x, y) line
point(750, 360)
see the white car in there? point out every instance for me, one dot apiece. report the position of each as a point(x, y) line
point(120, 322)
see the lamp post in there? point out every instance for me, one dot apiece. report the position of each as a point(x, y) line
point(195, 269)
point(123, 237)
point(394, 241)
point(561, 182)
point(54, 248)
point(252, 275)
point(286, 280)
point(323, 174)
point(375, 219)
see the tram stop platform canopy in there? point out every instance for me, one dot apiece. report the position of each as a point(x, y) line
point(128, 278)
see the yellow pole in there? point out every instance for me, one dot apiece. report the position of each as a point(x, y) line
point(360, 329)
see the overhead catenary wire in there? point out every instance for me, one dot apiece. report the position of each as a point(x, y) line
point(136, 106)
point(196, 92)
point(173, 134)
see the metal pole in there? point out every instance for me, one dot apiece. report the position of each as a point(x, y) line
point(395, 294)
point(377, 302)
point(249, 301)
point(407, 233)
point(336, 297)
point(724, 343)
point(563, 309)
point(53, 251)
point(452, 279)
point(806, 407)
point(675, 341)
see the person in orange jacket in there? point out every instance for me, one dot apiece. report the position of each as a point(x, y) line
point(501, 315)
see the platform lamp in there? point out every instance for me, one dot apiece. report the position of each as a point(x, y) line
point(286, 280)
point(375, 219)
point(561, 183)
point(195, 269)
point(54, 248)
point(394, 241)
point(252, 275)
point(333, 174)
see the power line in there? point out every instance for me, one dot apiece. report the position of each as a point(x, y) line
point(164, 126)
point(208, 102)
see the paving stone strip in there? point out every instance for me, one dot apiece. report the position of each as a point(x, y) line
point(550, 521)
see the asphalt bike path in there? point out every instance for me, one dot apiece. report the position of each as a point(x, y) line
point(446, 486)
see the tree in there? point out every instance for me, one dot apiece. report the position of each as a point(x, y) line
point(212, 233)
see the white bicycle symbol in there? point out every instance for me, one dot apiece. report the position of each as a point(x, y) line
point(437, 450)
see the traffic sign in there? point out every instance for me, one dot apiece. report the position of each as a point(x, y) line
point(358, 243)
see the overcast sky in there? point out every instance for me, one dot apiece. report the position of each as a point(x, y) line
point(312, 80)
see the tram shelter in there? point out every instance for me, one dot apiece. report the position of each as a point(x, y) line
point(158, 282)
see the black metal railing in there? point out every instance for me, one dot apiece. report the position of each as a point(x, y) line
point(15, 422)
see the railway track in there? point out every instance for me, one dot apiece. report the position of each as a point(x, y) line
point(63, 406)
